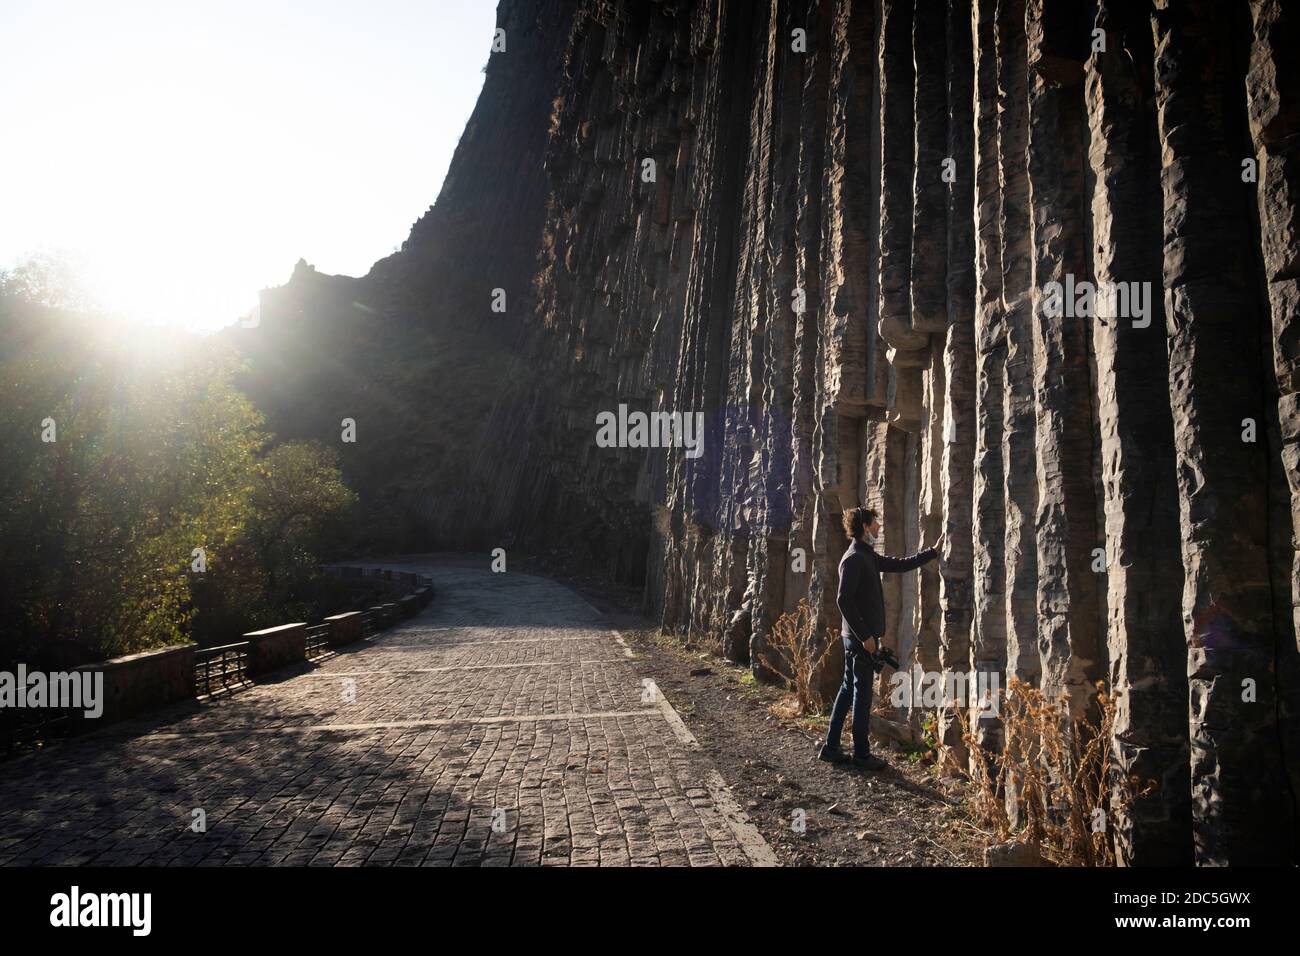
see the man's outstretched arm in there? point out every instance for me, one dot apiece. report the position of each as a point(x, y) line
point(886, 563)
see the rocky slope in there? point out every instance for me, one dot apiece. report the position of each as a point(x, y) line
point(853, 235)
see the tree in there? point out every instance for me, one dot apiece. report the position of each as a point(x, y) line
point(146, 461)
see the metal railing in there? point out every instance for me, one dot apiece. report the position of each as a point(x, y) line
point(369, 623)
point(318, 641)
point(220, 668)
point(24, 729)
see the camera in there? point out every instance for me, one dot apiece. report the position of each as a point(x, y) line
point(882, 657)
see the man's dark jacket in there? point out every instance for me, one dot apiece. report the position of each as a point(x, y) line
point(860, 598)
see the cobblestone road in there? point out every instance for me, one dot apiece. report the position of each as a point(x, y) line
point(505, 725)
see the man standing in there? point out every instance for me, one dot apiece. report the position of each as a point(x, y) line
point(862, 603)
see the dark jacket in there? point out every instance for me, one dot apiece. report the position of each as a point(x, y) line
point(860, 598)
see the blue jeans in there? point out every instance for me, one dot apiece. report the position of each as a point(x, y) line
point(855, 689)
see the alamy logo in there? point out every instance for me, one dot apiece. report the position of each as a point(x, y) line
point(82, 691)
point(652, 430)
point(931, 689)
point(103, 909)
point(1106, 300)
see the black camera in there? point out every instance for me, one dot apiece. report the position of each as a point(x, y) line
point(882, 657)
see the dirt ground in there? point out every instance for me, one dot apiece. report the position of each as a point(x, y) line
point(906, 815)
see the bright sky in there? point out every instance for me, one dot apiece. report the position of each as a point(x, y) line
point(189, 153)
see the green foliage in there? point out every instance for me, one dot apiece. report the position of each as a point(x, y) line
point(47, 278)
point(156, 453)
point(927, 749)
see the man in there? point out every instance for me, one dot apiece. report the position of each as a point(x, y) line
point(862, 603)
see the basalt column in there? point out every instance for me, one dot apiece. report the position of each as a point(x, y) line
point(710, 521)
point(1273, 91)
point(814, 81)
point(929, 294)
point(957, 426)
point(907, 347)
point(1146, 647)
point(769, 348)
point(1019, 458)
point(988, 528)
point(1212, 314)
point(852, 371)
point(1067, 614)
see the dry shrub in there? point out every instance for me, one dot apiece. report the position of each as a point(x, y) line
point(1058, 772)
point(793, 653)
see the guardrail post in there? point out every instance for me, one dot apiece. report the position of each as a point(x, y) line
point(344, 628)
point(140, 682)
point(275, 647)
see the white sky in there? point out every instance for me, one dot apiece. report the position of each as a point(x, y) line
point(190, 152)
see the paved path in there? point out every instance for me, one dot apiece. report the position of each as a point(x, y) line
point(505, 725)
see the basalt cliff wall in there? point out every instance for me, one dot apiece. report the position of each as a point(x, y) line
point(837, 231)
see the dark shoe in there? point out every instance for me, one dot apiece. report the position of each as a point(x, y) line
point(832, 755)
point(869, 762)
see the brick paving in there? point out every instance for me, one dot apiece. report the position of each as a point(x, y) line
point(505, 725)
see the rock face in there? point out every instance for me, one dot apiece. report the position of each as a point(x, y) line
point(873, 243)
